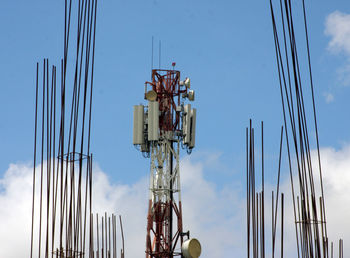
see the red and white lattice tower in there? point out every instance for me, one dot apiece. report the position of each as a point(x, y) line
point(160, 129)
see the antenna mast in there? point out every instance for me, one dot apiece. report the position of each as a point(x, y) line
point(160, 128)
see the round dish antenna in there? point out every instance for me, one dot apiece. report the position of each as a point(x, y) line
point(151, 95)
point(191, 248)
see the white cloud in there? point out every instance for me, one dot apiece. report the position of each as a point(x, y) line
point(338, 28)
point(15, 211)
point(206, 214)
point(336, 178)
point(216, 216)
point(205, 211)
point(130, 201)
point(343, 75)
point(329, 97)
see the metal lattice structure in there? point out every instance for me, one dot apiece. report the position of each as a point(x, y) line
point(160, 131)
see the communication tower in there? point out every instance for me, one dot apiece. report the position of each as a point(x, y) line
point(161, 128)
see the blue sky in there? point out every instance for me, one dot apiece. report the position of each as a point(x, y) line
point(225, 47)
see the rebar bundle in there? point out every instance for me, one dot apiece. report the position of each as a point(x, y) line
point(309, 209)
point(62, 206)
point(105, 237)
point(256, 237)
